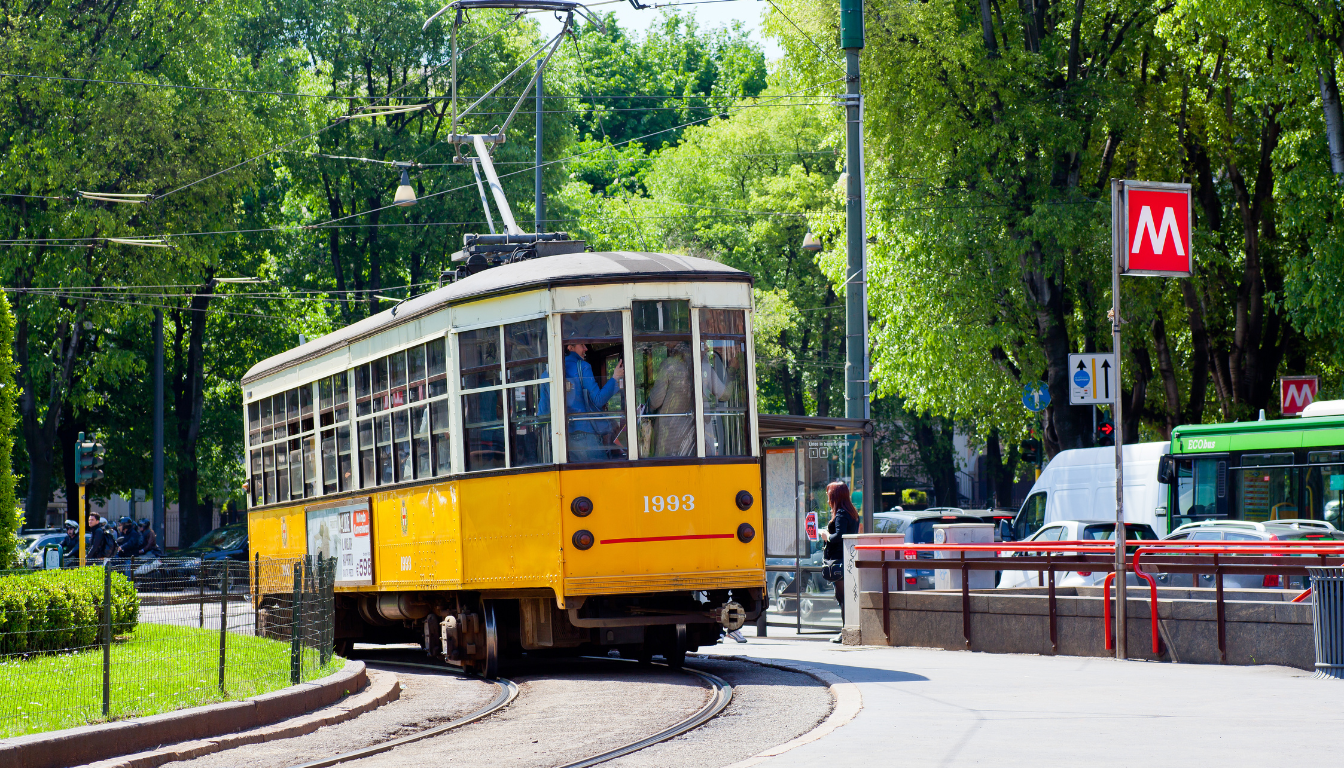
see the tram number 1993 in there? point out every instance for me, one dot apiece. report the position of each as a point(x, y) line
point(671, 503)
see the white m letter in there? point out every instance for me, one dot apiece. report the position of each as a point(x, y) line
point(1157, 239)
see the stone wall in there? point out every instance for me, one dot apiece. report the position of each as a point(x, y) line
point(1262, 627)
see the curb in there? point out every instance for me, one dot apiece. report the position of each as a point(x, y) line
point(91, 743)
point(848, 702)
point(384, 687)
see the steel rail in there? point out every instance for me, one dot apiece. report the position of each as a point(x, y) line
point(508, 691)
point(722, 695)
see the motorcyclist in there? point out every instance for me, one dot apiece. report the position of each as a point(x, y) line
point(102, 542)
point(130, 541)
point(149, 546)
point(70, 544)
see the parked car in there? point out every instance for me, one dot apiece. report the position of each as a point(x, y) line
point(918, 529)
point(31, 544)
point(1075, 530)
point(1243, 531)
point(228, 542)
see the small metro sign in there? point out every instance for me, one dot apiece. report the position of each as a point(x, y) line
point(1156, 236)
point(1296, 393)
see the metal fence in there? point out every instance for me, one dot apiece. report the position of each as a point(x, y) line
point(139, 637)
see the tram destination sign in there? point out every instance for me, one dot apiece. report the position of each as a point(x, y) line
point(1157, 228)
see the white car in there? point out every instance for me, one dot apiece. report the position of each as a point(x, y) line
point(1075, 530)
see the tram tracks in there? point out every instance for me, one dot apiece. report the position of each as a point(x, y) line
point(721, 694)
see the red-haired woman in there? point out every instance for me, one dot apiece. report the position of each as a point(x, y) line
point(844, 522)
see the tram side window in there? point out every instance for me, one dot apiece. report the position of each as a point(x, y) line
point(664, 373)
point(1323, 487)
point(333, 410)
point(1266, 487)
point(529, 394)
point(398, 444)
point(282, 439)
point(723, 385)
point(482, 399)
point(595, 428)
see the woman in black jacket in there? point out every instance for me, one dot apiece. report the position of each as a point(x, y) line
point(844, 522)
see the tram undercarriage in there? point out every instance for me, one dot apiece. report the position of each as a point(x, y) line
point(476, 630)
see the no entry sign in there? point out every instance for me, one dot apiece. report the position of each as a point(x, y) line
point(1156, 235)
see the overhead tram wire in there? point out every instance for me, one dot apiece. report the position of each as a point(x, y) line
point(604, 147)
point(824, 55)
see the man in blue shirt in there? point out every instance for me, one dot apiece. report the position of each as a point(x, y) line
point(584, 401)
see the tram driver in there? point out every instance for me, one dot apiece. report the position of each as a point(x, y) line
point(584, 399)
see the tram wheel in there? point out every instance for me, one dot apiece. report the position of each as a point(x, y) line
point(676, 655)
point(490, 666)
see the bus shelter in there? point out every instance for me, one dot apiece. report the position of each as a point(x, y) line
point(800, 456)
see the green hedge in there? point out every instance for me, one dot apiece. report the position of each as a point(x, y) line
point(59, 610)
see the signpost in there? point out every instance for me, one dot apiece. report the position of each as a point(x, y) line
point(1092, 379)
point(1150, 236)
point(1296, 393)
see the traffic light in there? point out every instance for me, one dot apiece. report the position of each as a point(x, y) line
point(88, 459)
point(1105, 433)
point(1031, 451)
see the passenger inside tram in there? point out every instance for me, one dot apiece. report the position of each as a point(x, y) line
point(594, 377)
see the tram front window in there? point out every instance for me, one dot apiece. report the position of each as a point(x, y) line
point(1323, 486)
point(723, 374)
point(664, 378)
point(482, 412)
point(525, 352)
point(594, 377)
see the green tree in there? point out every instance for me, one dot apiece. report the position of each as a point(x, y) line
point(9, 400)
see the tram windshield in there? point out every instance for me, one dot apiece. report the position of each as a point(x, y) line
point(664, 378)
point(594, 380)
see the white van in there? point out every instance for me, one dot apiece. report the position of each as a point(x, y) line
point(1080, 485)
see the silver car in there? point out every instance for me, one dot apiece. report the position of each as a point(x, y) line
point(1232, 531)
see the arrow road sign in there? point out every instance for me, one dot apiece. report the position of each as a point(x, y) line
point(1035, 396)
point(1092, 379)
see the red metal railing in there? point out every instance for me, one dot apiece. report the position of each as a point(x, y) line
point(1274, 557)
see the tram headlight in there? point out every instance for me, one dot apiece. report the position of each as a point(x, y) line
point(581, 506)
point(583, 539)
point(745, 533)
point(744, 500)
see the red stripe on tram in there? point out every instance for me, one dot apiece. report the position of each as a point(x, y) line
point(669, 538)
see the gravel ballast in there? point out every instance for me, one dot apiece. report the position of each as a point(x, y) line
point(576, 710)
point(769, 707)
point(427, 699)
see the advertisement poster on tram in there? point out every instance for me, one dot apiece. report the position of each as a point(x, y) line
point(343, 531)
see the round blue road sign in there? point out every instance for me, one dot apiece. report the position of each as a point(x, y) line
point(1081, 378)
point(1035, 396)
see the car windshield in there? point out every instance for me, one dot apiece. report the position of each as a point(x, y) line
point(1106, 531)
point(220, 539)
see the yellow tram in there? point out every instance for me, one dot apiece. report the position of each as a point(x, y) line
point(559, 453)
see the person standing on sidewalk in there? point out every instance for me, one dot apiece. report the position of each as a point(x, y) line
point(844, 522)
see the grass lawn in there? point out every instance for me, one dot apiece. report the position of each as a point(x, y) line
point(156, 669)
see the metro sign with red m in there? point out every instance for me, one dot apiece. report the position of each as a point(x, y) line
point(1157, 231)
point(1296, 393)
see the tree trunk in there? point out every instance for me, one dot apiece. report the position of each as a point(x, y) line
point(188, 406)
point(1334, 123)
point(1166, 370)
point(993, 467)
point(40, 430)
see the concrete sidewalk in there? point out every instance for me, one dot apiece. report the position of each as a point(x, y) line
point(925, 707)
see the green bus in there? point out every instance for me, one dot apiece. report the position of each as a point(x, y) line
point(1261, 471)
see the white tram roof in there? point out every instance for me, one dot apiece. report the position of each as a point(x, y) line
point(596, 267)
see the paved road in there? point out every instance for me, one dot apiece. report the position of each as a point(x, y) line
point(948, 708)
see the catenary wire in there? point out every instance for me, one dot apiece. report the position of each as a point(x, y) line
point(825, 56)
